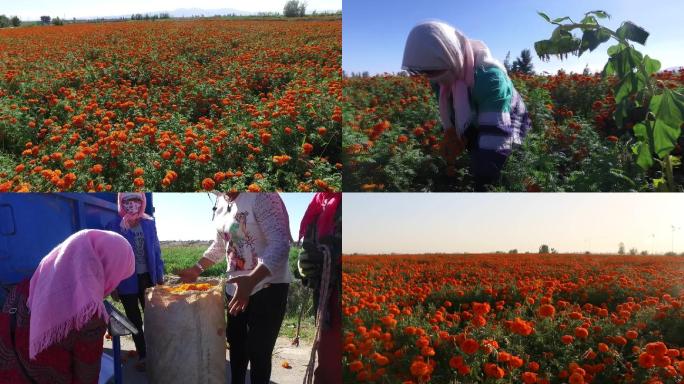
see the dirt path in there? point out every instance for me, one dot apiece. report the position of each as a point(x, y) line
point(297, 357)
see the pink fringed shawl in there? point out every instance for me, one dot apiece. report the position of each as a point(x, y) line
point(68, 287)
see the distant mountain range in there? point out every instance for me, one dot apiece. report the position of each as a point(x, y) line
point(189, 12)
point(181, 12)
point(673, 69)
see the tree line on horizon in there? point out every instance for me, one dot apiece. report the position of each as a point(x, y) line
point(292, 8)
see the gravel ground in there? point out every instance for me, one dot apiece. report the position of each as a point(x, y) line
point(297, 357)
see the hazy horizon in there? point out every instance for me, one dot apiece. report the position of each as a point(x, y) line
point(503, 253)
point(409, 223)
point(81, 9)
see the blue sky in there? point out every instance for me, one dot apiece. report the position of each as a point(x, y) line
point(187, 216)
point(476, 222)
point(374, 32)
point(32, 10)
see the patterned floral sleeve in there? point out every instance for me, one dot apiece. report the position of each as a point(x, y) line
point(217, 249)
point(270, 214)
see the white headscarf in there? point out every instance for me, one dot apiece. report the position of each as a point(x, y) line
point(434, 45)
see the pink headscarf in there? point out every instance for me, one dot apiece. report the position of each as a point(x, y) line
point(129, 219)
point(322, 207)
point(434, 46)
point(68, 287)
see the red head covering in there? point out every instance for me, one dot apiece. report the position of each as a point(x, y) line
point(321, 208)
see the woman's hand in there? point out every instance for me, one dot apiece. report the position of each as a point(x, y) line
point(245, 285)
point(189, 275)
point(451, 146)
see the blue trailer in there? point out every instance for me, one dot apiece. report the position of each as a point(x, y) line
point(32, 224)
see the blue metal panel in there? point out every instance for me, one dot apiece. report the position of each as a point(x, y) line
point(32, 224)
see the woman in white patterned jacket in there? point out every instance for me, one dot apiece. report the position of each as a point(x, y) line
point(253, 235)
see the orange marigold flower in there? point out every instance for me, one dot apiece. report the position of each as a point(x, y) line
point(581, 333)
point(139, 182)
point(307, 148)
point(322, 185)
point(478, 321)
point(547, 310)
point(381, 360)
point(265, 138)
point(456, 362)
point(576, 378)
point(254, 188)
point(521, 327)
point(469, 346)
point(612, 139)
point(646, 360)
point(481, 308)
point(657, 349)
point(281, 159)
point(208, 184)
point(529, 377)
point(494, 371)
point(138, 172)
point(662, 361)
point(419, 368)
point(515, 362)
point(567, 339)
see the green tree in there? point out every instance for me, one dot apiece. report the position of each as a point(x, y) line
point(57, 21)
point(653, 112)
point(507, 62)
point(45, 19)
point(544, 249)
point(294, 8)
point(523, 63)
point(4, 21)
point(15, 21)
point(621, 249)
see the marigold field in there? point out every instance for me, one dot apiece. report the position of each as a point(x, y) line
point(513, 319)
point(391, 136)
point(172, 106)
